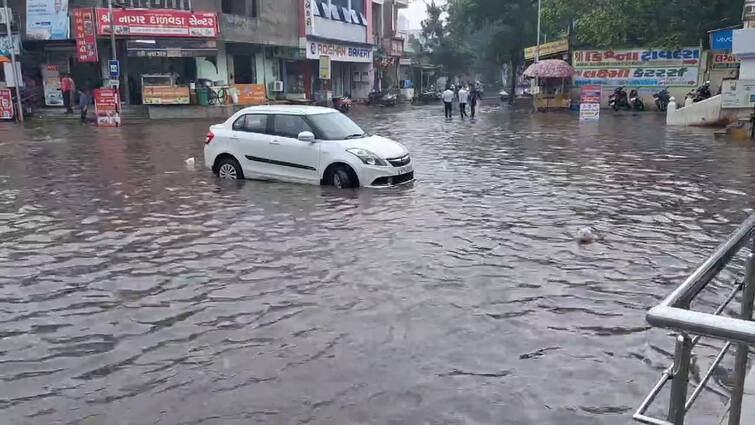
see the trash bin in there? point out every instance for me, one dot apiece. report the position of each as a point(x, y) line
point(203, 96)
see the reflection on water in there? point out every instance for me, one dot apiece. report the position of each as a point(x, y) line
point(136, 290)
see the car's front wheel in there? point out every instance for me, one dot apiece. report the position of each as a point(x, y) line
point(342, 179)
point(229, 169)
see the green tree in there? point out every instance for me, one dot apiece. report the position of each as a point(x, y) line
point(656, 23)
point(512, 26)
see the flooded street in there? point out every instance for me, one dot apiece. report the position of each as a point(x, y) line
point(136, 290)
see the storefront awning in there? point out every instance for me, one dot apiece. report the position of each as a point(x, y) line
point(171, 48)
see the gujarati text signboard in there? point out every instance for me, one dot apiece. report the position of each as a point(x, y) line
point(86, 41)
point(547, 49)
point(589, 105)
point(637, 67)
point(158, 22)
point(107, 108)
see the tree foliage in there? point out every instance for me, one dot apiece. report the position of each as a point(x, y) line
point(632, 23)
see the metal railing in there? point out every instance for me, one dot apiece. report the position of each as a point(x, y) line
point(674, 313)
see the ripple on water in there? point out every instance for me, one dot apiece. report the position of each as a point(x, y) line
point(134, 289)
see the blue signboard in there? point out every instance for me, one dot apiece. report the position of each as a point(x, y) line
point(721, 40)
point(115, 69)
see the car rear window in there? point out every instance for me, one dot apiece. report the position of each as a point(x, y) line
point(251, 123)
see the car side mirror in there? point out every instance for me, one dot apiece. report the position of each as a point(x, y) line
point(306, 136)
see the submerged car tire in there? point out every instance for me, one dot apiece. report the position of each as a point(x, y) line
point(229, 169)
point(342, 179)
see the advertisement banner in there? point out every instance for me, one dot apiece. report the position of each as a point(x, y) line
point(721, 40)
point(652, 77)
point(51, 84)
point(738, 94)
point(722, 60)
point(590, 94)
point(635, 58)
point(589, 106)
point(166, 95)
point(339, 52)
point(159, 22)
point(86, 41)
point(7, 44)
point(547, 49)
point(325, 67)
point(6, 105)
point(251, 94)
point(107, 108)
point(47, 20)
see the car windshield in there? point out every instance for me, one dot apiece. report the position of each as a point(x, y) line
point(335, 126)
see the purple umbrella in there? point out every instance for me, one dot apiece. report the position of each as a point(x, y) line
point(549, 68)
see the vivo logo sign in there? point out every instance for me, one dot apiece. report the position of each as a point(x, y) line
point(331, 11)
point(721, 40)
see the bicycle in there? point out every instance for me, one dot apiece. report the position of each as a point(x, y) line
point(217, 97)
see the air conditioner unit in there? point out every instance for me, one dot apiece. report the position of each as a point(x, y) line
point(277, 86)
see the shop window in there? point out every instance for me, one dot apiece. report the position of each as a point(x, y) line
point(247, 8)
point(244, 69)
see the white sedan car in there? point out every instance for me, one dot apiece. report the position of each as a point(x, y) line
point(305, 144)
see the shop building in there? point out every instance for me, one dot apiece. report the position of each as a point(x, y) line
point(340, 32)
point(392, 66)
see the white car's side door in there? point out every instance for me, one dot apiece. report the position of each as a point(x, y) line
point(251, 138)
point(292, 158)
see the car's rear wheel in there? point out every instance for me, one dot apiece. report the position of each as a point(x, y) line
point(229, 169)
point(342, 178)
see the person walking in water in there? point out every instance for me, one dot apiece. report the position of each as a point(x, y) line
point(67, 86)
point(473, 97)
point(463, 99)
point(448, 98)
point(85, 99)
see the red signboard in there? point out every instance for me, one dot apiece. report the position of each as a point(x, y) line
point(159, 22)
point(86, 41)
point(6, 105)
point(590, 94)
point(107, 108)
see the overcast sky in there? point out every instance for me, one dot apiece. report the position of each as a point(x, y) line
point(416, 12)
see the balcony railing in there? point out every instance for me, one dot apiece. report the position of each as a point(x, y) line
point(675, 313)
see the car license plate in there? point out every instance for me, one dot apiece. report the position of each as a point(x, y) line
point(405, 169)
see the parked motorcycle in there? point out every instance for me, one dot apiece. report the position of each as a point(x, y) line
point(619, 99)
point(635, 101)
point(342, 104)
point(701, 93)
point(384, 99)
point(662, 99)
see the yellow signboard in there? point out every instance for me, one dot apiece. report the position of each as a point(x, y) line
point(547, 49)
point(325, 67)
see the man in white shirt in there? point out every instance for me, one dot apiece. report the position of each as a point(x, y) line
point(463, 98)
point(448, 98)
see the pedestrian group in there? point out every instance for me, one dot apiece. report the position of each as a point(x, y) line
point(469, 93)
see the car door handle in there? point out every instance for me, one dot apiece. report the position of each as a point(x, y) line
point(234, 138)
point(275, 142)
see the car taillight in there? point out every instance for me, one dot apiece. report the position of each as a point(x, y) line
point(209, 138)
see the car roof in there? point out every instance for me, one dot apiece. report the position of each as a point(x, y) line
point(287, 109)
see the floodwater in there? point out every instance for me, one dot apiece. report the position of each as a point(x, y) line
point(137, 290)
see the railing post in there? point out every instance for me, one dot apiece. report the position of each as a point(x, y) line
point(680, 379)
point(740, 362)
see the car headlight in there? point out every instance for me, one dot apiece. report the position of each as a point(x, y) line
point(367, 157)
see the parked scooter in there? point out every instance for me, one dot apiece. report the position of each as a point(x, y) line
point(342, 104)
point(662, 99)
point(619, 99)
point(635, 101)
point(384, 99)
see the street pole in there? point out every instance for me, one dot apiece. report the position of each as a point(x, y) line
point(112, 31)
point(16, 78)
point(537, 56)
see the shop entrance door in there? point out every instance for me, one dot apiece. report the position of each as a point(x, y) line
point(243, 69)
